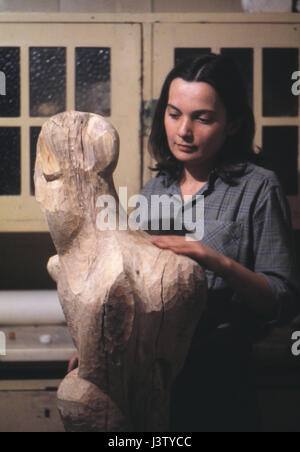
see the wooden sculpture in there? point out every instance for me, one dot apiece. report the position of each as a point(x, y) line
point(131, 307)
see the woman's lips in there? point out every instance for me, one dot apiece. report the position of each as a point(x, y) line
point(186, 148)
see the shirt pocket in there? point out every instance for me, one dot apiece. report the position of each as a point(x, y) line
point(225, 238)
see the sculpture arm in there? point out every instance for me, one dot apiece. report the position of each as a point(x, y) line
point(53, 267)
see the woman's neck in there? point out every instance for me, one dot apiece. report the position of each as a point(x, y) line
point(194, 175)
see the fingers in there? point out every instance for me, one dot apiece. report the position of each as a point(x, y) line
point(163, 240)
point(73, 363)
point(171, 242)
point(180, 245)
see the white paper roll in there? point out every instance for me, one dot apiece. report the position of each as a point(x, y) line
point(30, 308)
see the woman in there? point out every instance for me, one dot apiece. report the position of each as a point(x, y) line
point(202, 139)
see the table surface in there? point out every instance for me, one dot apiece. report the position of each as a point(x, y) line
point(36, 343)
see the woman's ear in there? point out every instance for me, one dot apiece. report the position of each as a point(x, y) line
point(233, 127)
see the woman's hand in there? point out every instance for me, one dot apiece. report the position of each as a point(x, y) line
point(73, 363)
point(253, 287)
point(201, 253)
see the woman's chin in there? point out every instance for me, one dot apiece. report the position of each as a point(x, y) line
point(188, 157)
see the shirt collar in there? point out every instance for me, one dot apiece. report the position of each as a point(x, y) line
point(173, 187)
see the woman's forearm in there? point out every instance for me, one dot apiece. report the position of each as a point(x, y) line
point(252, 287)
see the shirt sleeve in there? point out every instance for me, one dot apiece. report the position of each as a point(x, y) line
point(274, 251)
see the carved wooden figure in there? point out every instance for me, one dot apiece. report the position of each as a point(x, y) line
point(131, 307)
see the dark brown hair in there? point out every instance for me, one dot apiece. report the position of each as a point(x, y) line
point(223, 75)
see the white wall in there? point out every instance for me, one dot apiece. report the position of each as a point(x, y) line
point(118, 6)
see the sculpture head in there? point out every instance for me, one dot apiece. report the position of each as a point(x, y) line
point(77, 154)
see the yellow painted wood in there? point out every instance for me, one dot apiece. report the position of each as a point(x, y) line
point(150, 17)
point(258, 93)
point(147, 96)
point(22, 213)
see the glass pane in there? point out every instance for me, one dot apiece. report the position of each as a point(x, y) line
point(280, 146)
point(47, 81)
point(182, 54)
point(34, 134)
point(93, 80)
point(10, 69)
point(278, 67)
point(10, 171)
point(244, 61)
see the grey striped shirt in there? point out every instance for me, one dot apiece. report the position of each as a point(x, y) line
point(251, 224)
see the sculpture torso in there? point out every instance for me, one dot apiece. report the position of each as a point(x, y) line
point(131, 308)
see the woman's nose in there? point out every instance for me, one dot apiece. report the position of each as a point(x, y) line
point(185, 130)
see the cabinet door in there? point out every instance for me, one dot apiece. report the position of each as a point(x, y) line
point(49, 68)
point(29, 411)
point(268, 56)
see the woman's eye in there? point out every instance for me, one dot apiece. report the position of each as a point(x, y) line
point(203, 120)
point(174, 116)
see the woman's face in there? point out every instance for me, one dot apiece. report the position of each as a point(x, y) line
point(195, 122)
